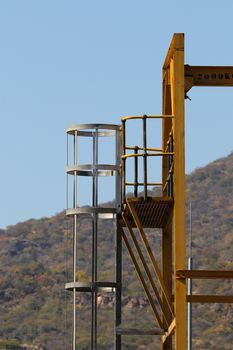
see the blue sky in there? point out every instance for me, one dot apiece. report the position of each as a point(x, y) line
point(65, 62)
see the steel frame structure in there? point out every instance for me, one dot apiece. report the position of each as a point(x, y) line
point(166, 211)
point(142, 212)
point(177, 79)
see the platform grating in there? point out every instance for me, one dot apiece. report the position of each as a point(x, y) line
point(154, 212)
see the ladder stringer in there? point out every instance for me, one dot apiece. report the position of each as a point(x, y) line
point(150, 254)
point(140, 275)
point(167, 316)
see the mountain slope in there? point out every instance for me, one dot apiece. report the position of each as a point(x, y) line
point(36, 255)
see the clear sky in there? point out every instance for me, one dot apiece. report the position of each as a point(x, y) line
point(65, 62)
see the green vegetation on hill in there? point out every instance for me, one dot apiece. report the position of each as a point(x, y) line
point(35, 263)
point(10, 345)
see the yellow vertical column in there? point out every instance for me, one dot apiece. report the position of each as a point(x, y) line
point(167, 232)
point(177, 98)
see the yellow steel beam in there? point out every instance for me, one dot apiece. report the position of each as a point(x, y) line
point(166, 255)
point(195, 298)
point(170, 54)
point(204, 274)
point(208, 76)
point(206, 298)
point(177, 102)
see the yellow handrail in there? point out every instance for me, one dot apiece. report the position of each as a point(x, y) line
point(146, 117)
point(147, 154)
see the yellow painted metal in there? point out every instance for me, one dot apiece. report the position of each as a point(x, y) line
point(208, 76)
point(162, 154)
point(167, 231)
point(166, 212)
point(169, 172)
point(143, 149)
point(173, 126)
point(177, 80)
point(150, 254)
point(167, 273)
point(173, 75)
point(195, 298)
point(177, 94)
point(147, 117)
point(142, 279)
point(170, 330)
point(204, 274)
point(166, 314)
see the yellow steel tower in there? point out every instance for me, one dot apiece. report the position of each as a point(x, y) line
point(164, 286)
point(166, 211)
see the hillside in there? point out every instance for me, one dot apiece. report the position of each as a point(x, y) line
point(36, 255)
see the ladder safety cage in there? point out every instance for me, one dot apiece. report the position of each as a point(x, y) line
point(95, 212)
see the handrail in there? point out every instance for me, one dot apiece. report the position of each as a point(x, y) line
point(146, 117)
point(142, 184)
point(124, 156)
point(142, 148)
point(144, 152)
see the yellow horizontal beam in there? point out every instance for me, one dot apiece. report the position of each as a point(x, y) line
point(209, 298)
point(209, 76)
point(204, 274)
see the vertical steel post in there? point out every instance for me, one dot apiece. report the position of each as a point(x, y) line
point(118, 245)
point(169, 167)
point(167, 231)
point(123, 161)
point(144, 156)
point(94, 241)
point(119, 283)
point(135, 172)
point(172, 160)
point(190, 286)
point(173, 104)
point(190, 267)
point(74, 241)
point(177, 93)
point(118, 149)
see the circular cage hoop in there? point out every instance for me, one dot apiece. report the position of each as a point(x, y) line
point(106, 287)
point(90, 130)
